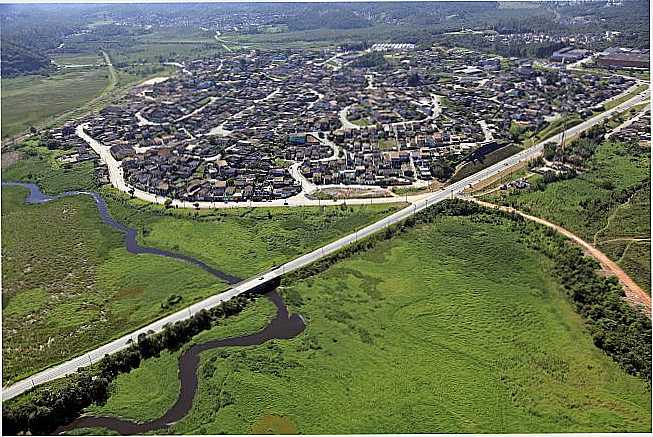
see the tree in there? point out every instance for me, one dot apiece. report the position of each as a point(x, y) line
point(167, 203)
point(414, 79)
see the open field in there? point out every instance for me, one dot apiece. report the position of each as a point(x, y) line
point(41, 101)
point(590, 205)
point(317, 38)
point(127, 290)
point(79, 59)
point(242, 241)
point(452, 327)
point(70, 285)
point(30, 100)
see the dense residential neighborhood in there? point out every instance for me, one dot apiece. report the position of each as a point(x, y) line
point(231, 129)
point(326, 218)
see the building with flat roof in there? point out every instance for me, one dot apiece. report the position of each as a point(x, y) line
point(569, 54)
point(624, 57)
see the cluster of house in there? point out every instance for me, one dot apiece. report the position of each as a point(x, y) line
point(579, 39)
point(389, 155)
point(637, 132)
point(366, 166)
point(64, 138)
point(228, 128)
point(387, 107)
point(243, 173)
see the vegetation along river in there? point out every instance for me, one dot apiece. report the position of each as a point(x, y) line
point(282, 326)
point(36, 196)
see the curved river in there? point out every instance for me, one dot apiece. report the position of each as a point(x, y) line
point(282, 326)
point(36, 196)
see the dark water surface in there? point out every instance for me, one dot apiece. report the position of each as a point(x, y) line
point(283, 326)
point(36, 196)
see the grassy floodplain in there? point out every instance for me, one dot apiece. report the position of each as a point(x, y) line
point(455, 326)
point(69, 284)
point(243, 241)
point(96, 289)
point(31, 100)
point(588, 205)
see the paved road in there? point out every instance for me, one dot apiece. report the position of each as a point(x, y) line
point(418, 203)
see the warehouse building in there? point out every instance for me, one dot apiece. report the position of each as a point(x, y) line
point(624, 57)
point(569, 54)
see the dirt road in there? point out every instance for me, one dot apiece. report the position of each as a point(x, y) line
point(634, 292)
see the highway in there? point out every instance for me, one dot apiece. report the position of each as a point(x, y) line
point(419, 203)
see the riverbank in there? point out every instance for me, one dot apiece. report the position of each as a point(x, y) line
point(70, 282)
point(456, 316)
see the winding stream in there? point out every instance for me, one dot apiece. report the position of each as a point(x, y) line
point(36, 196)
point(282, 326)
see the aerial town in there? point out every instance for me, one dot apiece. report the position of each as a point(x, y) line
point(261, 125)
point(326, 218)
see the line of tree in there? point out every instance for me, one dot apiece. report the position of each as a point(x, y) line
point(621, 331)
point(47, 407)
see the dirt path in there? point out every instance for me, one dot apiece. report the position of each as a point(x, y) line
point(634, 293)
point(610, 217)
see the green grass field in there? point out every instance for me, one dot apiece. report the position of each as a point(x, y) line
point(491, 158)
point(31, 100)
point(79, 59)
point(40, 165)
point(96, 289)
point(244, 241)
point(69, 284)
point(615, 167)
point(452, 327)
